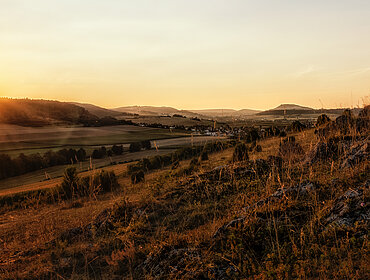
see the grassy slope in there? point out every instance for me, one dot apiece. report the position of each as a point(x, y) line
point(170, 219)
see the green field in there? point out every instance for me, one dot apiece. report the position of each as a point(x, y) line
point(15, 140)
point(37, 178)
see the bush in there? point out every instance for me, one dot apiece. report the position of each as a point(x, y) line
point(252, 136)
point(117, 150)
point(70, 182)
point(297, 126)
point(194, 162)
point(204, 155)
point(146, 145)
point(282, 134)
point(135, 147)
point(99, 153)
point(106, 180)
point(322, 119)
point(289, 148)
point(240, 153)
point(137, 177)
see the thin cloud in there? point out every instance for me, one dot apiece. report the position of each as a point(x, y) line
point(308, 70)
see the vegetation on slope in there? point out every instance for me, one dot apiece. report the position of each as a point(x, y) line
point(276, 214)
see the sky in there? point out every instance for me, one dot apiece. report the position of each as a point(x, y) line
point(188, 54)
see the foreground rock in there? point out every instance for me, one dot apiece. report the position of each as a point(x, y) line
point(349, 150)
point(357, 153)
point(350, 208)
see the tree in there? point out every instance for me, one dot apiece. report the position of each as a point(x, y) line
point(81, 154)
point(6, 166)
point(117, 150)
point(146, 145)
point(96, 154)
point(135, 147)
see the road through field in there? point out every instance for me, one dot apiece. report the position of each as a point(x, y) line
point(37, 179)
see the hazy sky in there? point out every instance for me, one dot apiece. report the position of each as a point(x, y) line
point(187, 53)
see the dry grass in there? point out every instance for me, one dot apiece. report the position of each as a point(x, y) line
point(164, 227)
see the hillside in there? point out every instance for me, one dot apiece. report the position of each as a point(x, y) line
point(291, 107)
point(225, 112)
point(205, 113)
point(294, 208)
point(298, 110)
point(98, 111)
point(27, 112)
point(156, 111)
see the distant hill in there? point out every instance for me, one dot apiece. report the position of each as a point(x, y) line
point(27, 112)
point(215, 112)
point(205, 113)
point(147, 110)
point(246, 112)
point(291, 107)
point(155, 111)
point(298, 110)
point(288, 109)
point(226, 112)
point(98, 111)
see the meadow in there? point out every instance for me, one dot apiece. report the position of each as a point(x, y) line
point(27, 140)
point(49, 177)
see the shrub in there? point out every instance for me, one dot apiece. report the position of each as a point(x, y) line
point(137, 177)
point(252, 136)
point(289, 148)
point(99, 153)
point(194, 162)
point(106, 180)
point(297, 126)
point(322, 119)
point(146, 145)
point(135, 147)
point(117, 150)
point(146, 164)
point(240, 153)
point(204, 155)
point(258, 148)
point(70, 182)
point(282, 134)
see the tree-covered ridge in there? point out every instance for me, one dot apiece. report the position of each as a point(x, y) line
point(41, 112)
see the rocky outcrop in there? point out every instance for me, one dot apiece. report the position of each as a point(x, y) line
point(349, 150)
point(357, 153)
point(350, 208)
point(169, 260)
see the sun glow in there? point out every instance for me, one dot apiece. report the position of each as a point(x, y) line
point(187, 54)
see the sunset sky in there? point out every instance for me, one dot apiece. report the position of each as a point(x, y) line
point(187, 53)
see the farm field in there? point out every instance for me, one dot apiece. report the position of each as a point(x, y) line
point(16, 139)
point(167, 120)
point(37, 179)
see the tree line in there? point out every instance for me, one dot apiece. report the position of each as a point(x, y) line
point(137, 170)
point(10, 167)
point(22, 164)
